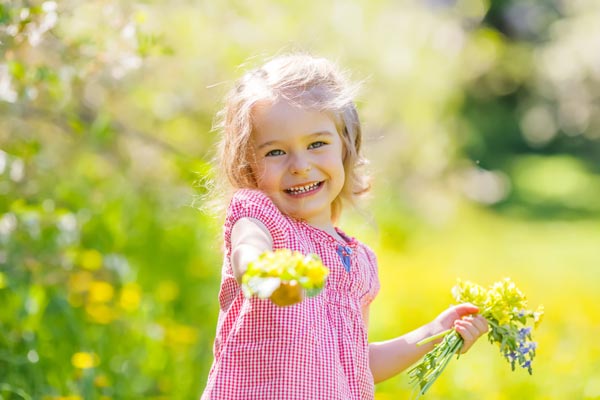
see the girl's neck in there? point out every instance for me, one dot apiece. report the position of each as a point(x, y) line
point(333, 232)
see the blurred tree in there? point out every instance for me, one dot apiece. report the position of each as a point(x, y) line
point(527, 104)
point(93, 244)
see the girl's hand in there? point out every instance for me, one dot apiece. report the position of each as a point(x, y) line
point(465, 320)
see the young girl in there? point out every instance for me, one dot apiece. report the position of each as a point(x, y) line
point(290, 149)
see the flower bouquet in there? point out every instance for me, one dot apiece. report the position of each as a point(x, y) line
point(284, 277)
point(505, 308)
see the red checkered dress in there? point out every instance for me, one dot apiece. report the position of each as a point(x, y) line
point(317, 349)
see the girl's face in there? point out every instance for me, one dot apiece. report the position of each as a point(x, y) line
point(298, 160)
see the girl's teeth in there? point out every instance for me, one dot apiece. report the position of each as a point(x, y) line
point(303, 189)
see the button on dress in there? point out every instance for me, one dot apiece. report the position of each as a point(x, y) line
point(316, 349)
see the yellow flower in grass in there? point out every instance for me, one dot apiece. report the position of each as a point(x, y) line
point(178, 334)
point(85, 360)
point(100, 313)
point(90, 259)
point(100, 292)
point(130, 297)
point(80, 281)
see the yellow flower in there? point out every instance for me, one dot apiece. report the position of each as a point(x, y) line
point(290, 271)
point(315, 271)
point(90, 259)
point(85, 360)
point(181, 334)
point(130, 297)
point(100, 292)
point(100, 313)
point(80, 281)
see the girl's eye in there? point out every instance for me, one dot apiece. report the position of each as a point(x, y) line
point(316, 145)
point(274, 153)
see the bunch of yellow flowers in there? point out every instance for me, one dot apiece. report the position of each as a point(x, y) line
point(505, 308)
point(284, 276)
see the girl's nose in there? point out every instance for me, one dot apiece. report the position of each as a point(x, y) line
point(299, 166)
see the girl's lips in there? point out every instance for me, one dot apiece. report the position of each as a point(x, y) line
point(304, 189)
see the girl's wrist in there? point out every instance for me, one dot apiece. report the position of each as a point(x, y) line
point(435, 338)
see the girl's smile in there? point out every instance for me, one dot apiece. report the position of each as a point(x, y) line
point(304, 190)
point(298, 160)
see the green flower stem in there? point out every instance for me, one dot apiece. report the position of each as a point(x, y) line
point(434, 337)
point(441, 367)
point(436, 361)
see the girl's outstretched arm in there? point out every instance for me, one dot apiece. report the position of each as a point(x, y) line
point(391, 357)
point(249, 239)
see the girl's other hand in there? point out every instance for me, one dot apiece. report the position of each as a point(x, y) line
point(465, 320)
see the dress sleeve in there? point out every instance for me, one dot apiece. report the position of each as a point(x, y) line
point(374, 284)
point(255, 204)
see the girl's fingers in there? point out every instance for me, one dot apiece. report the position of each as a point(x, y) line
point(469, 325)
point(470, 328)
point(481, 324)
point(468, 338)
point(466, 330)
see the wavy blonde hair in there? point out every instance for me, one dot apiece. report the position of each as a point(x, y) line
point(304, 81)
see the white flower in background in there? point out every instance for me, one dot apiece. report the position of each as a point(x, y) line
point(7, 93)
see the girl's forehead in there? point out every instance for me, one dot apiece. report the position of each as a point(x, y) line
point(283, 117)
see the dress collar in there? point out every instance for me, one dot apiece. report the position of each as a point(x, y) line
point(347, 240)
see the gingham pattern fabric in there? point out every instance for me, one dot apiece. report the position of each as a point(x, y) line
point(317, 349)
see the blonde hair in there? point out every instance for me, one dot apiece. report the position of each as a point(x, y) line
point(304, 81)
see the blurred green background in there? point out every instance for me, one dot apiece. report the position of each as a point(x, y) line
point(481, 120)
